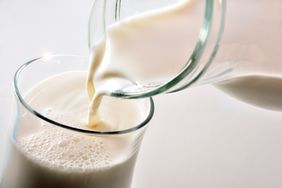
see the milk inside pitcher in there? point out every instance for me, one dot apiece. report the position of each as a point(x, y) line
point(166, 46)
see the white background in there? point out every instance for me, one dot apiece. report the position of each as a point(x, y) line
point(199, 138)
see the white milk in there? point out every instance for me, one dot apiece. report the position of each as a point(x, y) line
point(48, 156)
point(155, 42)
point(260, 90)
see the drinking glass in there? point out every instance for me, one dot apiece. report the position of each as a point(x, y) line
point(25, 170)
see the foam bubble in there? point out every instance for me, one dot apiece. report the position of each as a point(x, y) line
point(62, 149)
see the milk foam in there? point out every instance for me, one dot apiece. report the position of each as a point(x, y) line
point(63, 150)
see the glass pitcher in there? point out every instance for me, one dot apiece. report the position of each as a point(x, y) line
point(234, 44)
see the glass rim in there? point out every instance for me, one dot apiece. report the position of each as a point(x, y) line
point(21, 99)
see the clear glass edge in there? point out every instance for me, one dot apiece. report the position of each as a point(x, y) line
point(39, 115)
